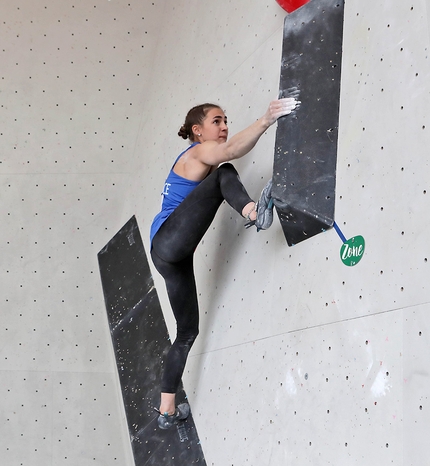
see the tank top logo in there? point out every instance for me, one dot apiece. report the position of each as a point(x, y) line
point(166, 189)
point(165, 193)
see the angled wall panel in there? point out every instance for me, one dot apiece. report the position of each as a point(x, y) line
point(140, 339)
point(304, 172)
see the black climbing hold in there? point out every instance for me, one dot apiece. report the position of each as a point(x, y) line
point(304, 170)
point(140, 341)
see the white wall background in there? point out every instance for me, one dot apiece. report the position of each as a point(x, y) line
point(300, 360)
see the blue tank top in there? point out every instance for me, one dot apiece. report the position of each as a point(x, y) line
point(176, 189)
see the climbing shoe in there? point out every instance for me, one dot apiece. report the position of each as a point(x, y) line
point(264, 208)
point(181, 413)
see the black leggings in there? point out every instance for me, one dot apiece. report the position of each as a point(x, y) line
point(172, 252)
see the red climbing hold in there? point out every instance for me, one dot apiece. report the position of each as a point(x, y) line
point(291, 5)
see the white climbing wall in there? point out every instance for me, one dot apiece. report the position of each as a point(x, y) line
point(73, 79)
point(301, 359)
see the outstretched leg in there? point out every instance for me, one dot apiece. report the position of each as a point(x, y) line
point(172, 252)
point(181, 289)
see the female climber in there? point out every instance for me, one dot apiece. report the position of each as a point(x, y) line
point(194, 189)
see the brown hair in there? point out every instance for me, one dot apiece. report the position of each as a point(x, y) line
point(194, 117)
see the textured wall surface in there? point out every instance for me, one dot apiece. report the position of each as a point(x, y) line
point(300, 359)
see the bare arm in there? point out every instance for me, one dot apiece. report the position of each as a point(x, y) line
point(212, 153)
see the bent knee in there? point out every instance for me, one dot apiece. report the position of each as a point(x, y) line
point(227, 167)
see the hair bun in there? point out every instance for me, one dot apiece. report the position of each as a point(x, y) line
point(195, 116)
point(183, 133)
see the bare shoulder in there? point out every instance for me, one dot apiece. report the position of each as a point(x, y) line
point(200, 150)
point(191, 166)
point(211, 153)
